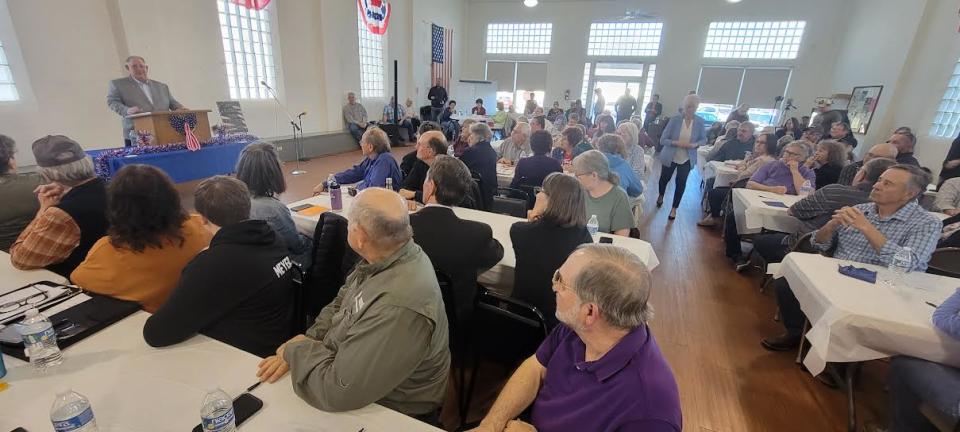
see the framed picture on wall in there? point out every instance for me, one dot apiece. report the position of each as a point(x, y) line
point(860, 109)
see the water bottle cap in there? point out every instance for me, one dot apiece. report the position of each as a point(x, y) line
point(31, 312)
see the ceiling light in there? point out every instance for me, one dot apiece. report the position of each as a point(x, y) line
point(529, 3)
point(734, 1)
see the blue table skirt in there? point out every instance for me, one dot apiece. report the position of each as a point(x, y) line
point(183, 165)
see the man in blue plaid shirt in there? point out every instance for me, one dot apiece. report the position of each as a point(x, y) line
point(870, 233)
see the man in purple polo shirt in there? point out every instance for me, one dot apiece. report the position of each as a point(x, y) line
point(600, 370)
point(784, 176)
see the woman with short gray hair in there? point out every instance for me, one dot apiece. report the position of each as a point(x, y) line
point(377, 166)
point(557, 225)
point(259, 168)
point(605, 199)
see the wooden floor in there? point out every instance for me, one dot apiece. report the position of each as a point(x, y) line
point(709, 321)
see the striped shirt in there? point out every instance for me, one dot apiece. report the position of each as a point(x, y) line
point(911, 226)
point(49, 239)
point(817, 209)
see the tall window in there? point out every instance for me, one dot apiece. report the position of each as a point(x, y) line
point(613, 80)
point(754, 40)
point(371, 61)
point(8, 90)
point(586, 83)
point(624, 39)
point(247, 49)
point(947, 120)
point(529, 38)
point(648, 89)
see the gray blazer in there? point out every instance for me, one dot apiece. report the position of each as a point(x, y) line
point(126, 92)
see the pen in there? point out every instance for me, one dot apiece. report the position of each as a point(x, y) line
point(931, 304)
point(253, 387)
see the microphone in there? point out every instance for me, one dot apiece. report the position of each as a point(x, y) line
point(266, 85)
point(301, 114)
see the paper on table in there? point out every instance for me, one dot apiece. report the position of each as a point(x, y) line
point(17, 295)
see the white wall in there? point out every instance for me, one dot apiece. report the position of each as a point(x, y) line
point(64, 54)
point(684, 33)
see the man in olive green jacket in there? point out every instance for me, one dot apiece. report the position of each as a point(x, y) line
point(384, 338)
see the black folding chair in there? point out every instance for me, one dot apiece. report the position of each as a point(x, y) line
point(945, 262)
point(511, 202)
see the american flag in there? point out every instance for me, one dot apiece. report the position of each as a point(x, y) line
point(193, 144)
point(251, 4)
point(441, 60)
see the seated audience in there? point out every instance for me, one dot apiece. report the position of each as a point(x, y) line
point(827, 162)
point(602, 369)
point(377, 166)
point(740, 114)
point(571, 145)
point(259, 168)
point(729, 133)
point(556, 113)
point(500, 117)
point(240, 291)
point(478, 108)
point(20, 203)
point(429, 146)
point(462, 249)
point(613, 148)
point(576, 107)
point(409, 159)
point(870, 233)
point(883, 150)
point(557, 226)
point(811, 136)
point(790, 128)
point(630, 133)
point(605, 199)
point(481, 159)
point(715, 131)
point(914, 381)
point(73, 209)
point(574, 119)
point(355, 115)
point(948, 197)
point(149, 242)
point(532, 170)
point(951, 162)
point(516, 146)
point(840, 131)
point(462, 143)
point(815, 210)
point(384, 338)
point(950, 236)
point(447, 113)
point(605, 125)
point(905, 142)
point(784, 176)
point(736, 148)
point(404, 121)
point(410, 114)
point(764, 151)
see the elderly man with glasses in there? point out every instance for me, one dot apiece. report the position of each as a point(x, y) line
point(601, 370)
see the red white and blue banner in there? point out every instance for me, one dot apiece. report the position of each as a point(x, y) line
point(376, 15)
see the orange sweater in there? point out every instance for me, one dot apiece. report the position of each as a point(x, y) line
point(146, 277)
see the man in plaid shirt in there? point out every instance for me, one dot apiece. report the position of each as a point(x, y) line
point(870, 233)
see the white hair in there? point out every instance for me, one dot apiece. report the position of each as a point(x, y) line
point(691, 98)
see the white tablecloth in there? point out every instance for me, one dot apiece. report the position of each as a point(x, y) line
point(753, 214)
point(725, 172)
point(501, 275)
point(11, 278)
point(505, 174)
point(133, 387)
point(702, 152)
point(852, 320)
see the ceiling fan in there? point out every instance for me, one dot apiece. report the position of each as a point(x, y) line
point(638, 15)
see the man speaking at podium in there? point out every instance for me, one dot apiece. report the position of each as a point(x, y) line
point(138, 94)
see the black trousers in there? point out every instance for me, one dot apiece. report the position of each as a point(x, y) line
point(731, 237)
point(770, 247)
point(683, 170)
point(791, 315)
point(716, 197)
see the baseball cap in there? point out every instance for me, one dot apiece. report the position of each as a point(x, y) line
point(55, 150)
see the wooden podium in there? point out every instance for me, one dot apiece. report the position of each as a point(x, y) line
point(158, 124)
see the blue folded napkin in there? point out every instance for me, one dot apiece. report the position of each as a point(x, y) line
point(863, 274)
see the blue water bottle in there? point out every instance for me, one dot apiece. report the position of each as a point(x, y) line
point(3, 368)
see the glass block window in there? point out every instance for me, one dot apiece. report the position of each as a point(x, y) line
point(624, 39)
point(945, 123)
point(648, 88)
point(8, 90)
point(754, 40)
point(526, 38)
point(371, 61)
point(586, 83)
point(247, 49)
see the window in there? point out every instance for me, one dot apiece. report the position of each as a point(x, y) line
point(371, 62)
point(533, 38)
point(624, 39)
point(8, 90)
point(947, 120)
point(723, 88)
point(648, 89)
point(754, 40)
point(247, 49)
point(613, 79)
point(516, 80)
point(586, 83)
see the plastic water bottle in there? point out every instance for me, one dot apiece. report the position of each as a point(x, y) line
point(216, 414)
point(593, 225)
point(336, 197)
point(390, 183)
point(805, 189)
point(899, 266)
point(72, 412)
point(39, 340)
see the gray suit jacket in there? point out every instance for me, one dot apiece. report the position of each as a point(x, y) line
point(126, 92)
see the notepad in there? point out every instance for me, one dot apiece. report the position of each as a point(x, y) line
point(776, 204)
point(312, 210)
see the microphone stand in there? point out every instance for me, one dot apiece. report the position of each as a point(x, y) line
point(302, 158)
point(296, 128)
